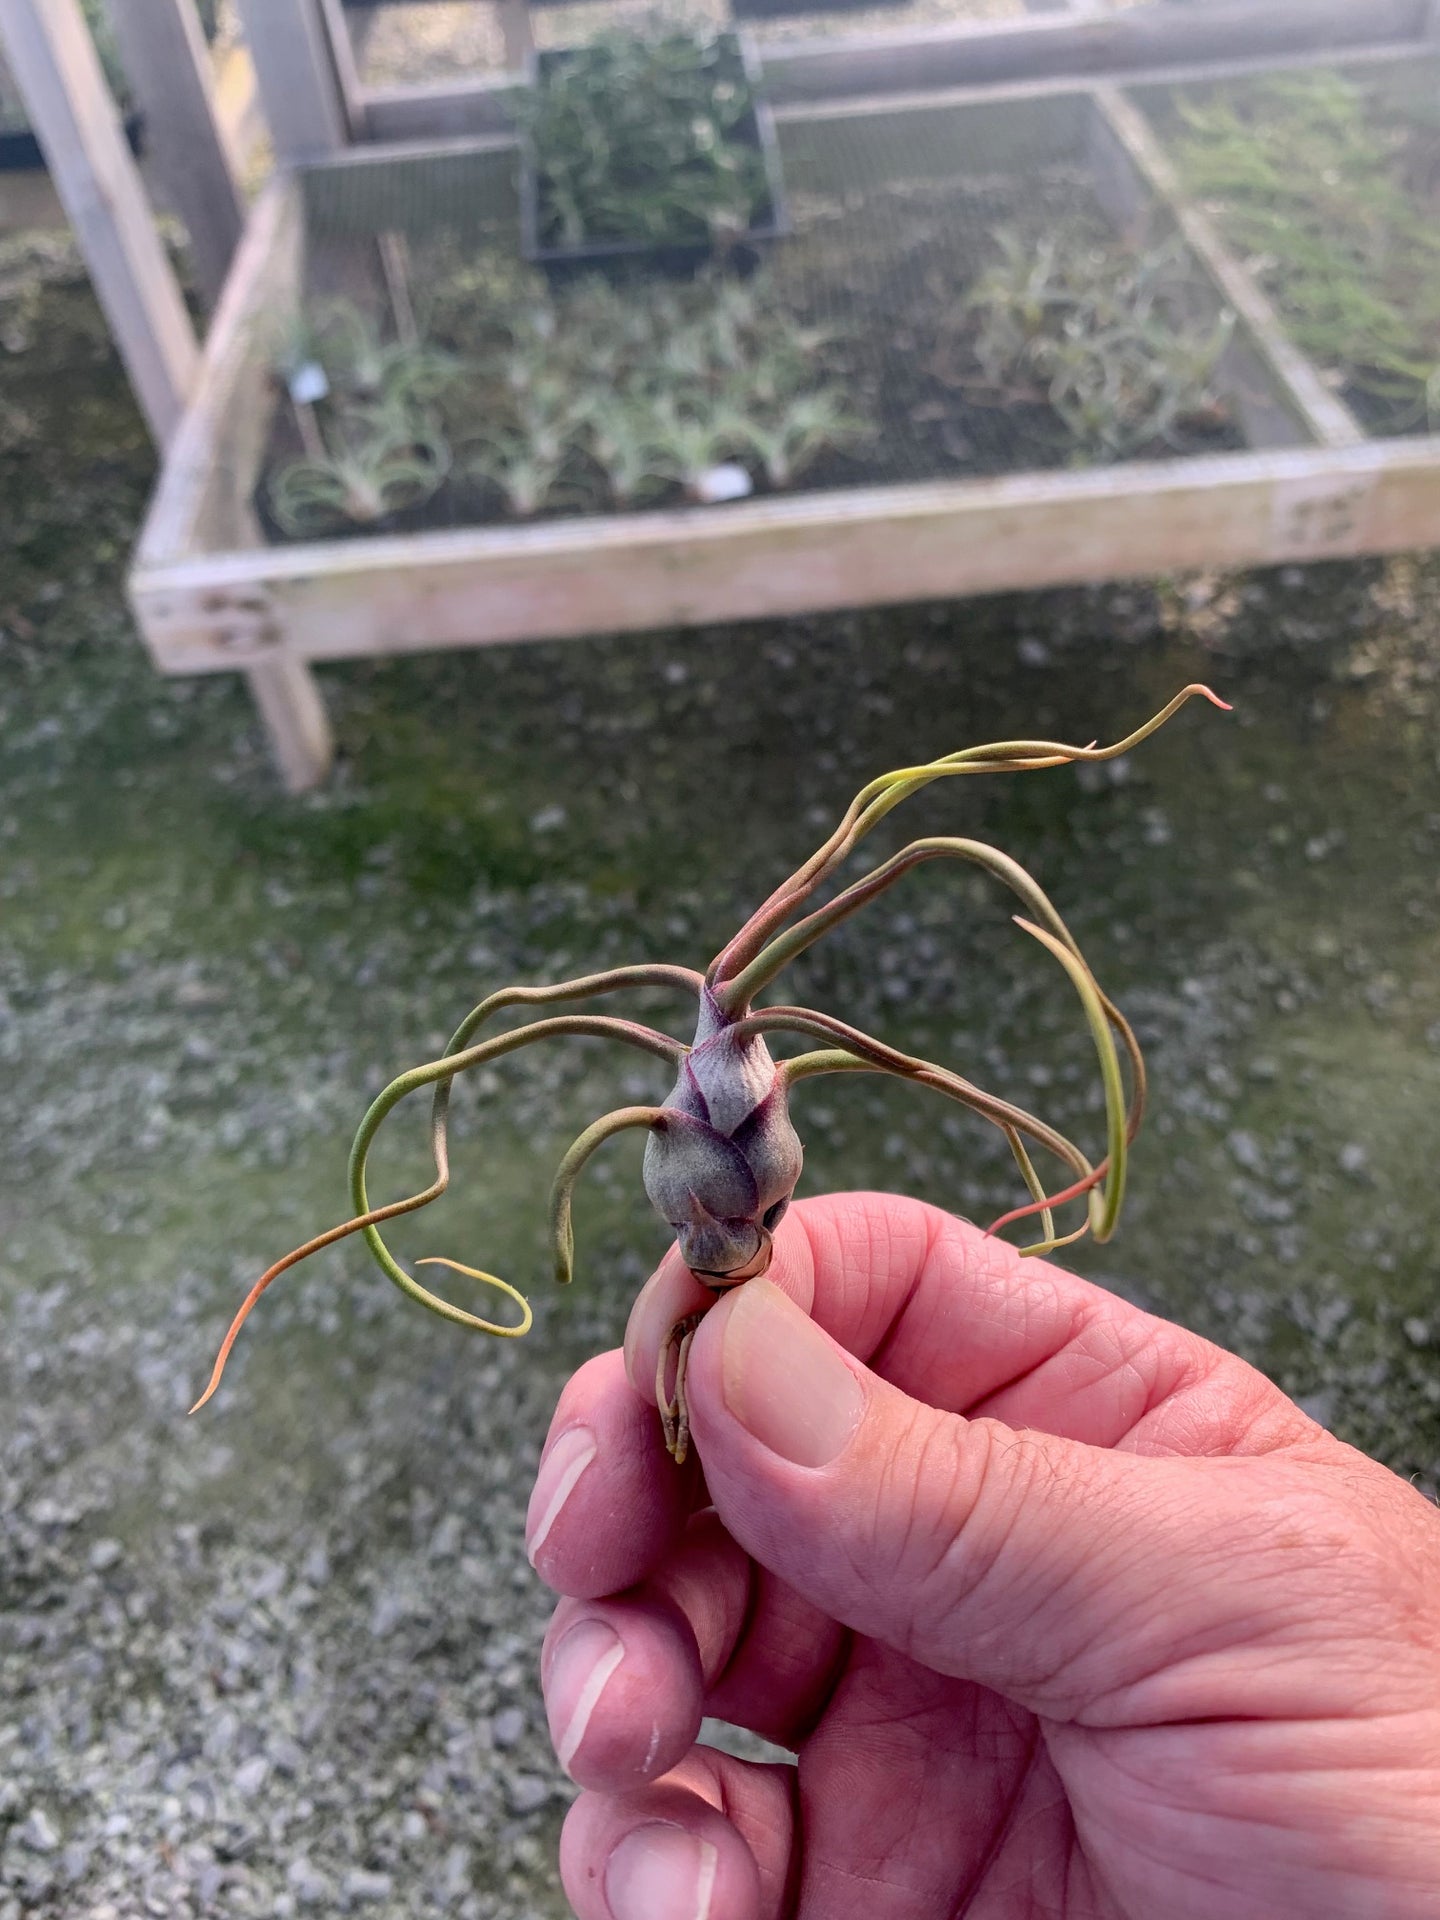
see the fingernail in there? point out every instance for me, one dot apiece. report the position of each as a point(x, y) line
point(660, 1872)
point(583, 1661)
point(784, 1381)
point(554, 1484)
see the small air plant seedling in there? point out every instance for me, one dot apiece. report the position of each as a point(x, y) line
point(722, 1157)
point(368, 464)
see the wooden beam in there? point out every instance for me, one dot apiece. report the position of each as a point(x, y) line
point(1325, 414)
point(78, 125)
point(296, 76)
point(344, 66)
point(293, 712)
point(1059, 47)
point(168, 67)
point(348, 599)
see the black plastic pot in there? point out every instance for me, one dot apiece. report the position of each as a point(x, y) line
point(676, 260)
point(20, 149)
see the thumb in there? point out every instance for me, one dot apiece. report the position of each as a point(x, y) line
point(1056, 1573)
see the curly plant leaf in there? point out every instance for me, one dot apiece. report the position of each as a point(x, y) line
point(722, 1156)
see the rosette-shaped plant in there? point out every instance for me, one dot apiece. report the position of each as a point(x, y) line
point(723, 1158)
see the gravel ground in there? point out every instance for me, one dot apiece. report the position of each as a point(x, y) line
point(280, 1659)
point(409, 45)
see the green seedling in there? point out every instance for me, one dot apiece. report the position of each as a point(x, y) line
point(1101, 332)
point(626, 448)
point(363, 366)
point(1308, 178)
point(722, 1156)
point(639, 137)
point(369, 464)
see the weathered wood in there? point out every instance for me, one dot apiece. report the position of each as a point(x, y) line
point(296, 76)
point(345, 65)
point(293, 712)
point(693, 566)
point(1326, 415)
point(210, 597)
point(168, 66)
point(516, 33)
point(204, 498)
point(1138, 206)
point(70, 108)
point(1080, 46)
point(1056, 46)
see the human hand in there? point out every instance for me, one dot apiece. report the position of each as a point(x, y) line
point(1065, 1610)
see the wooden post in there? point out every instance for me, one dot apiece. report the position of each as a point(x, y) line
point(168, 66)
point(296, 75)
point(70, 108)
point(293, 710)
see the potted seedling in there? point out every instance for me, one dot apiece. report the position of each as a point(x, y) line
point(1102, 333)
point(722, 1155)
point(367, 464)
point(654, 150)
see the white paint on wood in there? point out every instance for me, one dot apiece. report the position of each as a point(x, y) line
point(203, 497)
point(692, 566)
point(295, 72)
point(168, 66)
point(70, 108)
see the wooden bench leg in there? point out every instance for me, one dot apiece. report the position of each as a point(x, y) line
point(293, 710)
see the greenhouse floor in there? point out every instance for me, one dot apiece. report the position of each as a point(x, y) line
point(280, 1659)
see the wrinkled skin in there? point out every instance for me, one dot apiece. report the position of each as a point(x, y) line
point(1067, 1612)
point(722, 1166)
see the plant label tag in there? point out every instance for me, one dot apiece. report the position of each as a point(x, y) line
point(308, 384)
point(728, 481)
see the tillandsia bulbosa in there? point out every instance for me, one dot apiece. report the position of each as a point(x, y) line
point(723, 1158)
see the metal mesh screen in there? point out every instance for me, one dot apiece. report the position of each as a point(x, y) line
point(862, 337)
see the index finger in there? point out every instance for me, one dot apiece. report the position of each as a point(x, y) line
point(963, 1322)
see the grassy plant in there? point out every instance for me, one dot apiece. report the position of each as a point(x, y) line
point(595, 396)
point(1102, 333)
point(1307, 181)
point(798, 432)
point(722, 1157)
point(642, 137)
point(372, 462)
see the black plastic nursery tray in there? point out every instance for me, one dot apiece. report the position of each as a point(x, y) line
point(621, 257)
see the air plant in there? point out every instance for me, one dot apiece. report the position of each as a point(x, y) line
point(799, 432)
point(1101, 332)
point(695, 437)
point(369, 463)
point(625, 447)
point(722, 1157)
point(525, 453)
point(364, 366)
